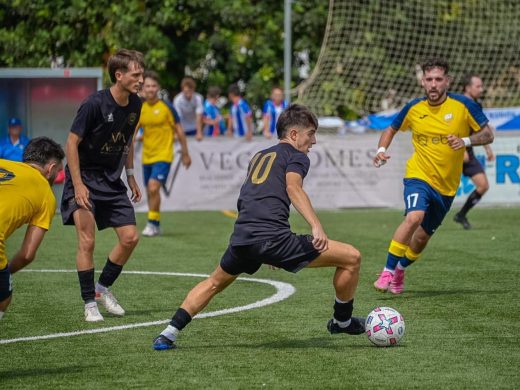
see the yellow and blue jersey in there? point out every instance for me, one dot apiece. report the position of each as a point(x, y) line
point(158, 121)
point(433, 160)
point(26, 197)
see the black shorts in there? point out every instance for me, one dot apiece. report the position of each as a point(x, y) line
point(6, 285)
point(292, 253)
point(472, 167)
point(110, 203)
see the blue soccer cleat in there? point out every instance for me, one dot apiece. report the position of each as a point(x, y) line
point(161, 343)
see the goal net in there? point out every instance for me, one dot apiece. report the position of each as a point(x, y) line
point(371, 51)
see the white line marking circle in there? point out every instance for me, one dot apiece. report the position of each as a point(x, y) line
point(283, 291)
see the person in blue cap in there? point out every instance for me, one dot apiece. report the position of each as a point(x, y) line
point(13, 145)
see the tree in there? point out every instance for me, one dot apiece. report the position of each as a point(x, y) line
point(218, 41)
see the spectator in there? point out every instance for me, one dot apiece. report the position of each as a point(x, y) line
point(189, 106)
point(273, 107)
point(13, 145)
point(212, 118)
point(240, 122)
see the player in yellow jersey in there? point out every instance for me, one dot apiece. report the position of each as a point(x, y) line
point(26, 197)
point(440, 123)
point(160, 124)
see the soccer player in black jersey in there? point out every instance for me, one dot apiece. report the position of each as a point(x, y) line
point(262, 233)
point(473, 88)
point(99, 145)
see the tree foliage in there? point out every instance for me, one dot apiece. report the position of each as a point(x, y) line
point(217, 41)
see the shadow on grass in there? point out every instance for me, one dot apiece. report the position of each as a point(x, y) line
point(436, 293)
point(330, 342)
point(36, 372)
point(316, 342)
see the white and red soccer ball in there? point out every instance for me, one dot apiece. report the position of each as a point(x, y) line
point(384, 326)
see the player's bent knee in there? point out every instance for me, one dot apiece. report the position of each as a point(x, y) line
point(87, 244)
point(352, 258)
point(130, 240)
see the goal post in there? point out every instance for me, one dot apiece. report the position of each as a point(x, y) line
point(372, 49)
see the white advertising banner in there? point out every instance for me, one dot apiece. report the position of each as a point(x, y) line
point(341, 174)
point(503, 172)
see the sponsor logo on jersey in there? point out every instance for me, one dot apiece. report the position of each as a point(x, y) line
point(132, 118)
point(6, 175)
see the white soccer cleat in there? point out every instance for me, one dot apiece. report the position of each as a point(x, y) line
point(151, 230)
point(92, 313)
point(108, 300)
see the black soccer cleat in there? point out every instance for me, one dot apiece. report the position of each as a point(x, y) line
point(462, 220)
point(161, 343)
point(357, 326)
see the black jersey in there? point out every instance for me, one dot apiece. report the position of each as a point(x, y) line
point(469, 149)
point(106, 129)
point(263, 204)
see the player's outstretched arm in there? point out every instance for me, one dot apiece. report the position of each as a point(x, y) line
point(185, 155)
point(384, 142)
point(302, 203)
point(31, 242)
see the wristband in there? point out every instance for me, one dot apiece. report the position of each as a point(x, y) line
point(129, 172)
point(467, 141)
point(382, 149)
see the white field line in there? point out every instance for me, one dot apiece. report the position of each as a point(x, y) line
point(283, 291)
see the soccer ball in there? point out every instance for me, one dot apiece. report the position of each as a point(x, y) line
point(384, 326)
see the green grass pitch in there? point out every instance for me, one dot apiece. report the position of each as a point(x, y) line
point(461, 306)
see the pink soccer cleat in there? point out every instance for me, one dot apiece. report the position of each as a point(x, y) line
point(384, 281)
point(397, 283)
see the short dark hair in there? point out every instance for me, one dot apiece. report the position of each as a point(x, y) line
point(42, 150)
point(435, 62)
point(150, 74)
point(295, 115)
point(213, 92)
point(121, 59)
point(188, 82)
point(467, 79)
point(234, 89)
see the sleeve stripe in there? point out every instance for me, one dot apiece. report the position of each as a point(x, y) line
point(173, 111)
point(473, 108)
point(399, 119)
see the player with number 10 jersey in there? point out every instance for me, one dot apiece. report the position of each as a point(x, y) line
point(262, 234)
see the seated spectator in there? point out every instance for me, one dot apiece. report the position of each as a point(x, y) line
point(13, 145)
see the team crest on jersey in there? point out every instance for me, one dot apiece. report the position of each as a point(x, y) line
point(6, 175)
point(132, 118)
point(448, 117)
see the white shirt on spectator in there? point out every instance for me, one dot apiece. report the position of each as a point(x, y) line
point(188, 109)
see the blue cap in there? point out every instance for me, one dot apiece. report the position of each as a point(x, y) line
point(15, 122)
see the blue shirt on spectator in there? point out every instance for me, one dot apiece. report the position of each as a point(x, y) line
point(13, 152)
point(239, 113)
point(271, 112)
point(211, 111)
